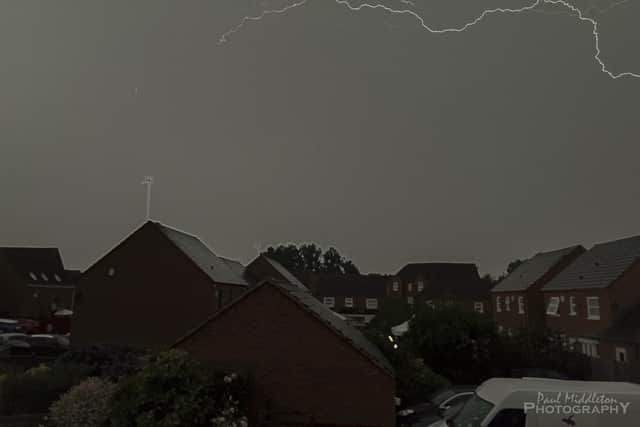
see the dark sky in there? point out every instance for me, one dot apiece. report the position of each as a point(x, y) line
point(359, 130)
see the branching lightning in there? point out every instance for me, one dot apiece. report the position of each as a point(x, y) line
point(533, 6)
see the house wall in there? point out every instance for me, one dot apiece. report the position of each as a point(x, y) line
point(625, 292)
point(19, 300)
point(156, 296)
point(300, 365)
point(510, 320)
point(579, 325)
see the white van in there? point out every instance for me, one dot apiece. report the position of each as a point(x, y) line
point(541, 402)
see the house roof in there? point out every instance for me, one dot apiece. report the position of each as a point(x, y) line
point(309, 303)
point(218, 269)
point(351, 285)
point(599, 267)
point(458, 280)
point(532, 270)
point(285, 273)
point(39, 266)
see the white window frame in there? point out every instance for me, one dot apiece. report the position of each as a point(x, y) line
point(498, 304)
point(572, 306)
point(589, 347)
point(396, 286)
point(520, 304)
point(621, 350)
point(420, 286)
point(478, 307)
point(507, 303)
point(348, 302)
point(329, 301)
point(553, 302)
point(371, 303)
point(410, 300)
point(590, 307)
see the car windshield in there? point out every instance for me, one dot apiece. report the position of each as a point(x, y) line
point(442, 396)
point(472, 413)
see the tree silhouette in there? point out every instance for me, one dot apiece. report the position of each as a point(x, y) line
point(309, 257)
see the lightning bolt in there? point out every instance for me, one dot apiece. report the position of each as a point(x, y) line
point(575, 12)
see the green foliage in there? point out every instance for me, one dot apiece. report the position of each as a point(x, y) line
point(34, 391)
point(85, 405)
point(455, 342)
point(392, 312)
point(310, 258)
point(108, 361)
point(171, 389)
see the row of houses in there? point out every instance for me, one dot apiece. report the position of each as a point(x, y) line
point(162, 288)
point(591, 297)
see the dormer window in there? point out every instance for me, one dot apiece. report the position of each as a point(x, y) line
point(33, 276)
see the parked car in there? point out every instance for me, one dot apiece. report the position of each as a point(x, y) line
point(438, 404)
point(450, 397)
point(47, 345)
point(15, 344)
point(9, 325)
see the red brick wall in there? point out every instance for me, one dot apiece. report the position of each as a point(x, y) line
point(511, 319)
point(300, 364)
point(625, 292)
point(156, 296)
point(579, 325)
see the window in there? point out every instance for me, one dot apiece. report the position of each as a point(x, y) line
point(589, 347)
point(348, 302)
point(372, 303)
point(431, 304)
point(509, 332)
point(621, 354)
point(396, 286)
point(521, 305)
point(554, 305)
point(410, 287)
point(593, 308)
point(410, 300)
point(44, 277)
point(473, 412)
point(478, 307)
point(507, 303)
point(420, 286)
point(572, 306)
point(329, 302)
point(111, 271)
point(55, 276)
point(33, 276)
point(498, 306)
point(509, 418)
point(500, 329)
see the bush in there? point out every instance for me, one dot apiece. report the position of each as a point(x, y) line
point(85, 405)
point(171, 389)
point(32, 392)
point(107, 361)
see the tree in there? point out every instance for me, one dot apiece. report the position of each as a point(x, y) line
point(310, 258)
point(513, 265)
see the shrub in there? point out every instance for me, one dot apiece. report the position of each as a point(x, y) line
point(107, 361)
point(171, 389)
point(85, 405)
point(32, 392)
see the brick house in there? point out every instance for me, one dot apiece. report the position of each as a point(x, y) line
point(265, 268)
point(518, 302)
point(594, 300)
point(355, 296)
point(152, 288)
point(34, 283)
point(309, 366)
point(432, 282)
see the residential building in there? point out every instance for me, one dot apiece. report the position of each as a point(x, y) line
point(34, 283)
point(594, 302)
point(518, 302)
point(355, 296)
point(151, 288)
point(433, 282)
point(265, 268)
point(309, 366)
